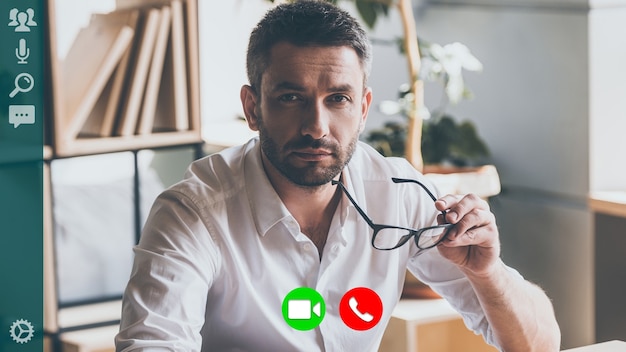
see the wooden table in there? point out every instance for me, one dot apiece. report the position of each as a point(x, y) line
point(610, 203)
point(420, 325)
point(610, 346)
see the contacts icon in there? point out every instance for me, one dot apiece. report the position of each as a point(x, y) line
point(22, 20)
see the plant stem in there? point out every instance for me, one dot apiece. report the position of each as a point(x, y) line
point(413, 149)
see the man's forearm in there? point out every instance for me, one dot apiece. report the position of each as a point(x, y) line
point(519, 313)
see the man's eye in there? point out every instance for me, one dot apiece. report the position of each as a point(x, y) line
point(339, 98)
point(288, 97)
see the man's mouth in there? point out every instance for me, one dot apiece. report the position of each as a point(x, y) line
point(312, 154)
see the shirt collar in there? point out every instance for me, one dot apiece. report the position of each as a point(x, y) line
point(266, 206)
point(355, 188)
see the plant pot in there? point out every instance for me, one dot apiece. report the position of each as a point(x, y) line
point(481, 180)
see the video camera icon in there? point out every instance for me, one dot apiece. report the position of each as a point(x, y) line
point(303, 308)
point(300, 309)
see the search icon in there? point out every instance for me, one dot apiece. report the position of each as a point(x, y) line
point(24, 88)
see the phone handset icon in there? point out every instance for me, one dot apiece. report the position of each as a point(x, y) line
point(371, 308)
point(366, 317)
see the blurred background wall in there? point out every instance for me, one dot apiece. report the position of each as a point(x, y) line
point(550, 104)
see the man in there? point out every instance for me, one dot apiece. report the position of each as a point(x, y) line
point(222, 249)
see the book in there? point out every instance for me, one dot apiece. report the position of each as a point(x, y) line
point(87, 68)
point(172, 106)
point(106, 109)
point(133, 4)
point(146, 119)
point(113, 107)
point(165, 111)
point(138, 73)
point(93, 125)
point(179, 64)
point(193, 64)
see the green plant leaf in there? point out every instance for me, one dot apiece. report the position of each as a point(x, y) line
point(370, 9)
point(368, 12)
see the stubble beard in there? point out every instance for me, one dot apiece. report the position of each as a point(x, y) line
point(312, 175)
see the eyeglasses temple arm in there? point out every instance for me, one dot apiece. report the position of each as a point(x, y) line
point(432, 196)
point(405, 180)
point(356, 206)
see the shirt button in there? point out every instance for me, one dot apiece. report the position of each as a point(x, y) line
point(307, 247)
point(335, 248)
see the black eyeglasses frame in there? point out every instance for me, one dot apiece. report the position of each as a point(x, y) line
point(411, 233)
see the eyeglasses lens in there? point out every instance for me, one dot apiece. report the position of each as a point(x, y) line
point(431, 237)
point(389, 238)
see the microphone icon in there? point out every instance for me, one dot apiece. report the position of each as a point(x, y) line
point(22, 52)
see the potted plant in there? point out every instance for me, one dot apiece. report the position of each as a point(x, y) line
point(444, 140)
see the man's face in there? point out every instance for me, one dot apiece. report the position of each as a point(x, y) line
point(312, 108)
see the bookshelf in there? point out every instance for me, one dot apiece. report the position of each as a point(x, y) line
point(138, 88)
point(128, 82)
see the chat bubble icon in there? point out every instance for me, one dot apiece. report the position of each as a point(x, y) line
point(21, 115)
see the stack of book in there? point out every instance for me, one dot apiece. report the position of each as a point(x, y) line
point(126, 74)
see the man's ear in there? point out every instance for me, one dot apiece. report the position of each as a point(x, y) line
point(365, 107)
point(249, 104)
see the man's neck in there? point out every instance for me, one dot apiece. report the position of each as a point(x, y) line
point(312, 207)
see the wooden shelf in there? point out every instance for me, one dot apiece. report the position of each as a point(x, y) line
point(90, 340)
point(89, 314)
point(609, 202)
point(47, 152)
point(90, 146)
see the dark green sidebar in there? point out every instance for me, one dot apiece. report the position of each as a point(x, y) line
point(22, 88)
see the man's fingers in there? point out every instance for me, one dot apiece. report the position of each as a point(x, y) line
point(458, 206)
point(475, 227)
point(472, 237)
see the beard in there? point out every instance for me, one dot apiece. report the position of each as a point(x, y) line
point(312, 174)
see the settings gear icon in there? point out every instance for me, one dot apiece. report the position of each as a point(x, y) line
point(22, 331)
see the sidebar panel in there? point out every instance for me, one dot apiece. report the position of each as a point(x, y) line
point(22, 89)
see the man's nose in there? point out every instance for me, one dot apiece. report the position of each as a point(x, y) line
point(316, 121)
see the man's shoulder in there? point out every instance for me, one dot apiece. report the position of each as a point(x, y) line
point(215, 177)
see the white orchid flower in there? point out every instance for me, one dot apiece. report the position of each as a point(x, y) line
point(402, 106)
point(448, 62)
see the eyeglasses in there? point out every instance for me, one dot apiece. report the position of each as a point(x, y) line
point(388, 237)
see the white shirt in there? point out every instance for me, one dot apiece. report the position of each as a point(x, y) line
point(220, 251)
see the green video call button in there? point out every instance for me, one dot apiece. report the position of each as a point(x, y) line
point(303, 308)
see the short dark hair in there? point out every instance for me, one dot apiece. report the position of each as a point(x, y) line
point(304, 23)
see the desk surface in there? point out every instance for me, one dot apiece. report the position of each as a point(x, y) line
point(610, 346)
point(422, 311)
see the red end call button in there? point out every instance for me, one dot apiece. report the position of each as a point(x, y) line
point(361, 308)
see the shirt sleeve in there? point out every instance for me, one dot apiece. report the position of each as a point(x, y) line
point(164, 302)
point(449, 282)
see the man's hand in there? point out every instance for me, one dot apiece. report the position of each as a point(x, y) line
point(520, 314)
point(473, 243)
